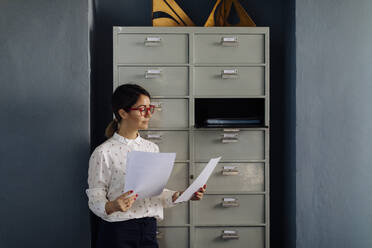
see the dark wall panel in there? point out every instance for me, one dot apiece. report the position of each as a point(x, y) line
point(44, 123)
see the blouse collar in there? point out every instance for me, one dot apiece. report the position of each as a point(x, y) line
point(125, 140)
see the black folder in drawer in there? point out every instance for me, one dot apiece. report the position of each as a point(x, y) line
point(229, 112)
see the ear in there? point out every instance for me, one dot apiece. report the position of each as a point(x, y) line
point(123, 114)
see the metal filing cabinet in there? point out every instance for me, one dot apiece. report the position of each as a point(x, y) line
point(179, 65)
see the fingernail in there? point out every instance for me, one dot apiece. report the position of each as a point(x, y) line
point(205, 185)
point(131, 191)
point(201, 188)
point(135, 198)
point(136, 195)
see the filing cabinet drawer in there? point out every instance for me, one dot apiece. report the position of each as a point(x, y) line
point(230, 81)
point(234, 237)
point(230, 209)
point(178, 181)
point(237, 177)
point(179, 178)
point(173, 237)
point(170, 141)
point(151, 48)
point(247, 145)
point(177, 215)
point(248, 48)
point(170, 113)
point(159, 81)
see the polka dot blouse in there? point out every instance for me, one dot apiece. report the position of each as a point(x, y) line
point(106, 175)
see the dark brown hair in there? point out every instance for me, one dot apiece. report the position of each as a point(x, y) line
point(124, 97)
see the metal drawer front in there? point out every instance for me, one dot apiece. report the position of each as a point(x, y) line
point(211, 48)
point(166, 111)
point(173, 237)
point(179, 178)
point(170, 141)
point(242, 237)
point(230, 209)
point(236, 177)
point(178, 181)
point(230, 81)
point(159, 81)
point(178, 215)
point(247, 145)
point(152, 48)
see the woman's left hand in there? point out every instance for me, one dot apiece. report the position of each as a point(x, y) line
point(198, 195)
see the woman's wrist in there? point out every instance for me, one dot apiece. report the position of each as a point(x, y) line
point(111, 207)
point(176, 195)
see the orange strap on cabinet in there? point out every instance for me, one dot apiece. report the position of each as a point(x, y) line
point(169, 13)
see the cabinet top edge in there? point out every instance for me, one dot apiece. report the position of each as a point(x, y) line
point(203, 30)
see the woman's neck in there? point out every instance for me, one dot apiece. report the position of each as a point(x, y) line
point(129, 134)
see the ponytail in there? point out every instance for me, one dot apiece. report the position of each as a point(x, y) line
point(111, 128)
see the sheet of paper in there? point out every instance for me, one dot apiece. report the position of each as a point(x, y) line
point(199, 181)
point(147, 173)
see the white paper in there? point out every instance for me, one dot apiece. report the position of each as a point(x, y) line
point(199, 181)
point(147, 173)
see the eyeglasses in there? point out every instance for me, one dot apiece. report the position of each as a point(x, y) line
point(143, 109)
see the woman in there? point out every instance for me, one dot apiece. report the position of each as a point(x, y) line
point(125, 221)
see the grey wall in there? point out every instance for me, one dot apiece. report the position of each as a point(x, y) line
point(44, 123)
point(334, 123)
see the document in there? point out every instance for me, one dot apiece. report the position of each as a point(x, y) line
point(199, 181)
point(147, 173)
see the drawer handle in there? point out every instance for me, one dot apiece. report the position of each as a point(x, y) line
point(229, 74)
point(153, 73)
point(229, 41)
point(154, 136)
point(153, 41)
point(230, 135)
point(230, 202)
point(230, 171)
point(159, 235)
point(229, 234)
point(233, 130)
point(229, 140)
point(158, 106)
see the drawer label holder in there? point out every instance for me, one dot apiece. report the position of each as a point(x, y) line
point(230, 135)
point(229, 74)
point(152, 73)
point(158, 106)
point(229, 234)
point(229, 41)
point(228, 202)
point(159, 235)
point(230, 171)
point(153, 41)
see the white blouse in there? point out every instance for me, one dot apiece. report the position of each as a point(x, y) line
point(106, 174)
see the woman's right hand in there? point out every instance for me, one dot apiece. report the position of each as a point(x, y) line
point(122, 203)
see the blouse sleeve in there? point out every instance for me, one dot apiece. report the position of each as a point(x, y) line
point(167, 194)
point(98, 178)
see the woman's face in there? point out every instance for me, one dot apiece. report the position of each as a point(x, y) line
point(135, 119)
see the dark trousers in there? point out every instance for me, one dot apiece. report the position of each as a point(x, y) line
point(134, 233)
